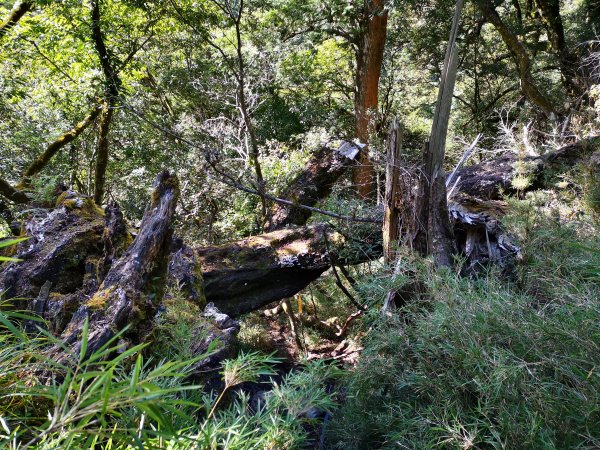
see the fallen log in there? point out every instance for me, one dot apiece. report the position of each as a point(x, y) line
point(245, 275)
point(76, 245)
point(312, 184)
point(494, 178)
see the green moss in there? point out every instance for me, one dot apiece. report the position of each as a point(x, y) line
point(100, 298)
point(83, 206)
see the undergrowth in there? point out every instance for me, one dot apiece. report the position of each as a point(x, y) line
point(488, 362)
point(119, 399)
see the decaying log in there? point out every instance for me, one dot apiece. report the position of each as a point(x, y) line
point(242, 276)
point(491, 179)
point(64, 247)
point(312, 184)
point(127, 294)
point(78, 246)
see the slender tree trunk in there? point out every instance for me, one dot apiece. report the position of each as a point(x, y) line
point(113, 85)
point(521, 56)
point(254, 150)
point(17, 12)
point(369, 58)
point(102, 153)
point(52, 149)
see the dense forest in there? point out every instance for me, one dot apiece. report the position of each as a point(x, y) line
point(288, 224)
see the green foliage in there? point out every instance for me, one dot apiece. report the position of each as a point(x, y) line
point(9, 243)
point(117, 399)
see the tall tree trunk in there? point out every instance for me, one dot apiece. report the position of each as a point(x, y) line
point(550, 13)
point(102, 153)
point(521, 57)
point(369, 58)
point(17, 12)
point(113, 85)
point(243, 105)
point(432, 230)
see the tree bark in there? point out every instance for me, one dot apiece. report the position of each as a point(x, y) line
point(64, 139)
point(492, 179)
point(11, 193)
point(102, 153)
point(520, 55)
point(369, 59)
point(127, 295)
point(17, 12)
point(242, 276)
point(77, 243)
point(393, 199)
point(311, 185)
point(243, 105)
point(550, 13)
point(113, 85)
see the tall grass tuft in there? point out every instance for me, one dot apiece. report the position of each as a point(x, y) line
point(488, 363)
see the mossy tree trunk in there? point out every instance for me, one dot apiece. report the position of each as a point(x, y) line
point(112, 90)
point(42, 161)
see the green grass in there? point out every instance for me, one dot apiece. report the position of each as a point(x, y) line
point(488, 363)
point(119, 399)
